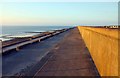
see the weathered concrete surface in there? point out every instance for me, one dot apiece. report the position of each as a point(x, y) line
point(69, 58)
point(103, 46)
point(28, 56)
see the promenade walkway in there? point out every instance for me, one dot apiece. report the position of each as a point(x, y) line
point(22, 61)
point(69, 58)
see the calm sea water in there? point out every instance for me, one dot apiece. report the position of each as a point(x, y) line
point(18, 29)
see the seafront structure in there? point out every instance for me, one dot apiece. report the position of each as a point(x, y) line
point(103, 46)
point(81, 51)
point(22, 39)
point(112, 26)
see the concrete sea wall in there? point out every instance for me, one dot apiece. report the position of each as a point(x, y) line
point(103, 46)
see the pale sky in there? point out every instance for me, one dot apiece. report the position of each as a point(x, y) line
point(59, 13)
point(60, 0)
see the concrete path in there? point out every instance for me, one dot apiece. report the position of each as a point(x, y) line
point(69, 58)
point(22, 61)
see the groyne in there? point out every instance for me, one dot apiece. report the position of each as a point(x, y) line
point(103, 46)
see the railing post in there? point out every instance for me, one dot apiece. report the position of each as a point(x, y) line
point(17, 49)
point(30, 39)
point(39, 40)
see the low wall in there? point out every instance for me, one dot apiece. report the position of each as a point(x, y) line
point(103, 46)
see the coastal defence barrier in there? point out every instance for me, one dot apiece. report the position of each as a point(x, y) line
point(102, 44)
point(16, 43)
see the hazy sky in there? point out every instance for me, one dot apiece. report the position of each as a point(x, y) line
point(59, 13)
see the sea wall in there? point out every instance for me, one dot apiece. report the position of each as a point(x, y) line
point(103, 46)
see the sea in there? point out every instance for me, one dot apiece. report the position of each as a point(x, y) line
point(21, 29)
point(17, 30)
